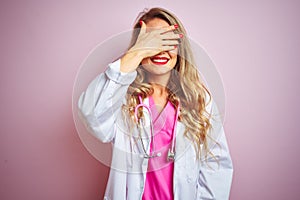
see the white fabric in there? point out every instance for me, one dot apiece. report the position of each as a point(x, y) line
point(100, 109)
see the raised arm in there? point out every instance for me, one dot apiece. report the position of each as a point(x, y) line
point(101, 102)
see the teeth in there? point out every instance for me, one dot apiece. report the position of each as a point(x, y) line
point(160, 60)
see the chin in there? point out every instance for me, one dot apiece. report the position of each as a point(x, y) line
point(157, 69)
point(158, 65)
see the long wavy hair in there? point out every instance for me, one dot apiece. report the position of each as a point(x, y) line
point(185, 86)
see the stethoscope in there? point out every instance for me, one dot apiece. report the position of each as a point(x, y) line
point(141, 123)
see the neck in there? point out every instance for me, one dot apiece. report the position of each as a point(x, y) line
point(161, 80)
point(159, 90)
point(160, 96)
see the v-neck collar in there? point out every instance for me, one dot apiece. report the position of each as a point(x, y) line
point(155, 113)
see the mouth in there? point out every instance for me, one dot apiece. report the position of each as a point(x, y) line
point(159, 60)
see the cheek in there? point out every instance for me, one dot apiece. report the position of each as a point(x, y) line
point(173, 52)
point(174, 59)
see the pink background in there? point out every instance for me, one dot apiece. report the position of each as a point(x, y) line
point(255, 46)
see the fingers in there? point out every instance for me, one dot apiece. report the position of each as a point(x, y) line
point(171, 39)
point(169, 48)
point(165, 33)
point(160, 30)
point(169, 28)
point(154, 40)
point(170, 42)
point(171, 36)
point(169, 33)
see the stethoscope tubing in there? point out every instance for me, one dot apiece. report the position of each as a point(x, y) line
point(171, 152)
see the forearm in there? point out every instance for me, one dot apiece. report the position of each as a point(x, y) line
point(101, 102)
point(130, 61)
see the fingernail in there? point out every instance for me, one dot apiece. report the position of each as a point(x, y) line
point(175, 25)
point(175, 46)
point(141, 22)
point(181, 35)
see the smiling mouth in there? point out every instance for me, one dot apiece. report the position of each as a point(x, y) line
point(159, 60)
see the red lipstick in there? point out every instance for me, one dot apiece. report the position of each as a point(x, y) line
point(157, 60)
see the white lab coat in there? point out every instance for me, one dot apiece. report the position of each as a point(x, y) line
point(100, 109)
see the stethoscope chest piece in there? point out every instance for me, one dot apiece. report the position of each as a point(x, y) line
point(147, 156)
point(171, 155)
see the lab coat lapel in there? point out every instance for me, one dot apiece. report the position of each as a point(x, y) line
point(182, 142)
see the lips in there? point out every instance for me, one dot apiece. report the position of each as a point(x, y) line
point(159, 60)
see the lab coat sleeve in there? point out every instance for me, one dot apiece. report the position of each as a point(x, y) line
point(100, 104)
point(216, 169)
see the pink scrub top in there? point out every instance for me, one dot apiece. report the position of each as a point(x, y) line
point(159, 177)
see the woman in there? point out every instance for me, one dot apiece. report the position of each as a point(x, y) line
point(168, 142)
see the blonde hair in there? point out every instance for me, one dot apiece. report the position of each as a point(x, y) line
point(184, 86)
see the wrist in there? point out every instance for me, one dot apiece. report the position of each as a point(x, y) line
point(130, 61)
